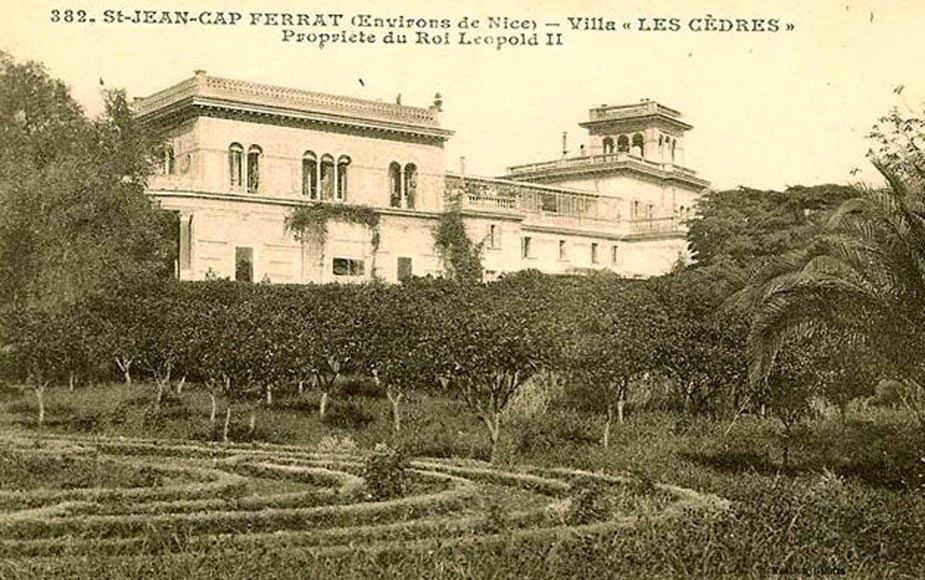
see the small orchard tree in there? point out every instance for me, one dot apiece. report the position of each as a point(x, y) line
point(788, 389)
point(394, 347)
point(333, 322)
point(489, 340)
point(617, 334)
point(38, 348)
point(703, 344)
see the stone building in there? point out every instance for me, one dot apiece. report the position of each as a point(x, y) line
point(239, 157)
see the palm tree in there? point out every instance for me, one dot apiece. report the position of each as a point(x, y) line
point(862, 279)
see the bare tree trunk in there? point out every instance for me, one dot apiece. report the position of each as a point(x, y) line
point(161, 384)
point(212, 414)
point(181, 384)
point(395, 399)
point(621, 403)
point(252, 423)
point(301, 388)
point(494, 433)
point(126, 367)
point(606, 440)
point(227, 424)
point(269, 395)
point(40, 397)
point(323, 405)
point(71, 379)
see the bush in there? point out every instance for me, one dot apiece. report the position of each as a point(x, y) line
point(385, 473)
point(347, 415)
point(359, 386)
point(585, 499)
point(554, 429)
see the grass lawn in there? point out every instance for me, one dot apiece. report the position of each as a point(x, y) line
point(851, 504)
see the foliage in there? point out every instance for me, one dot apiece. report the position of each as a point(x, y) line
point(862, 279)
point(385, 473)
point(746, 226)
point(462, 258)
point(311, 221)
point(702, 344)
point(74, 217)
point(615, 336)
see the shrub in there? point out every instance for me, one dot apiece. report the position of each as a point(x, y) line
point(585, 502)
point(347, 415)
point(385, 473)
point(554, 429)
point(360, 386)
point(338, 445)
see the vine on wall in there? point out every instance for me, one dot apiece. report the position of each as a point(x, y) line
point(462, 258)
point(310, 222)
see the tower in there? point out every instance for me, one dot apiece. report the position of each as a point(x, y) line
point(646, 130)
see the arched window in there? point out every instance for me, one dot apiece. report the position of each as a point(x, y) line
point(236, 165)
point(170, 160)
point(673, 144)
point(342, 163)
point(411, 184)
point(394, 184)
point(608, 145)
point(623, 144)
point(253, 168)
point(310, 175)
point(638, 142)
point(327, 177)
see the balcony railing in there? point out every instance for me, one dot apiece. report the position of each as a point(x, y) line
point(660, 225)
point(519, 197)
point(596, 160)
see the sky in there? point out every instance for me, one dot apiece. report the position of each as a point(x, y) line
point(769, 109)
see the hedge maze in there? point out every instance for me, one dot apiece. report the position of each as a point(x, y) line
point(147, 497)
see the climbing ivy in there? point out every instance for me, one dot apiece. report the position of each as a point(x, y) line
point(463, 259)
point(311, 221)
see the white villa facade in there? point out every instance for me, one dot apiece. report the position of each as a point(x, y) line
point(240, 156)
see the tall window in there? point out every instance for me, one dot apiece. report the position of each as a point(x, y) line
point(562, 250)
point(634, 209)
point(310, 175)
point(614, 255)
point(394, 184)
point(236, 165)
point(244, 264)
point(405, 268)
point(170, 160)
point(411, 184)
point(492, 236)
point(623, 144)
point(608, 145)
point(595, 253)
point(253, 168)
point(327, 177)
point(525, 247)
point(342, 163)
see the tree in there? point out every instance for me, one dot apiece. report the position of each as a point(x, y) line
point(491, 338)
point(615, 339)
point(746, 226)
point(394, 347)
point(74, 217)
point(863, 277)
point(789, 387)
point(702, 346)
